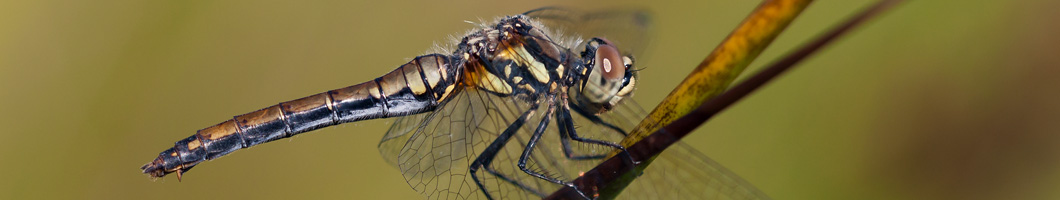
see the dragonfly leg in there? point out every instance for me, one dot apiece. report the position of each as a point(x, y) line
point(541, 127)
point(486, 157)
point(567, 130)
point(513, 182)
point(596, 119)
point(545, 119)
point(567, 125)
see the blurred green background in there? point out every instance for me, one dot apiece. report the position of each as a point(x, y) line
point(935, 100)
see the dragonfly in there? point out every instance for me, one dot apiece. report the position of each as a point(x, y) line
point(515, 110)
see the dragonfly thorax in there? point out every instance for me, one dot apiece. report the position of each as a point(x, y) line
point(518, 57)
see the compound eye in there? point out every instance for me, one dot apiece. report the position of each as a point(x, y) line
point(610, 62)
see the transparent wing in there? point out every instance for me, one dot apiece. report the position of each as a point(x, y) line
point(399, 133)
point(680, 172)
point(434, 150)
point(629, 28)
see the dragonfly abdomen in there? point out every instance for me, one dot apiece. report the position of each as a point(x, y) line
point(416, 87)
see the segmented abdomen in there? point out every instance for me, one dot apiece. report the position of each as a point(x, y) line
point(416, 87)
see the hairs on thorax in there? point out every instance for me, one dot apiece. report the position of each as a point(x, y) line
point(558, 35)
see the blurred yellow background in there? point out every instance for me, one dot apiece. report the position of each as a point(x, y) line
point(935, 100)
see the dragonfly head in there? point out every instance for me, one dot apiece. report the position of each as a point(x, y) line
point(608, 77)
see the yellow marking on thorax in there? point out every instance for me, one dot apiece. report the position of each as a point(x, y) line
point(476, 75)
point(559, 70)
point(536, 68)
point(528, 88)
point(508, 71)
point(493, 83)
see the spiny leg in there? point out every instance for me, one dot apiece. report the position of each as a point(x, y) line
point(545, 119)
point(567, 130)
point(541, 127)
point(566, 125)
point(486, 157)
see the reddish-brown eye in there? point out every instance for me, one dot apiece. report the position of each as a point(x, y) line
point(610, 62)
